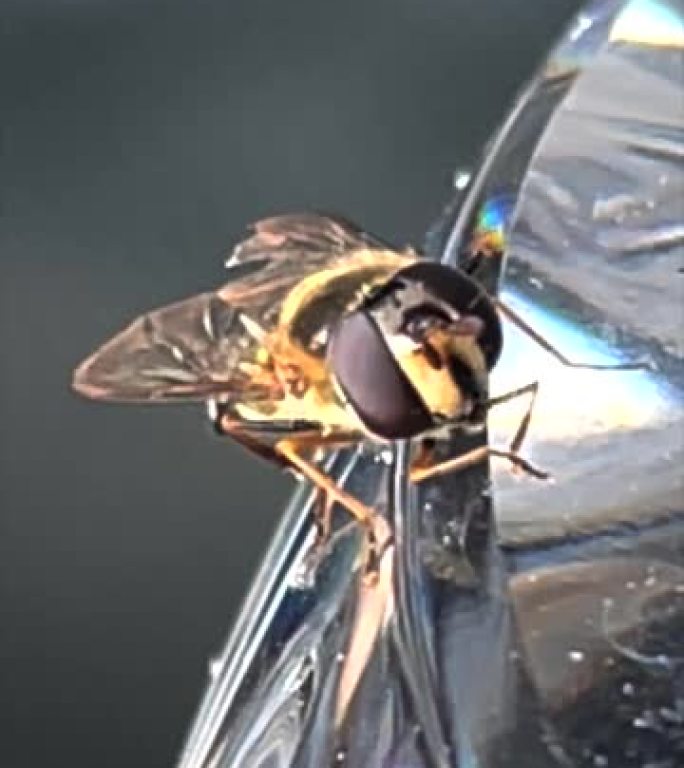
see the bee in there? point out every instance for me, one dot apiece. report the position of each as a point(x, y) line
point(323, 337)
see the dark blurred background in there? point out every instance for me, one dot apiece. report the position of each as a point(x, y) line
point(140, 137)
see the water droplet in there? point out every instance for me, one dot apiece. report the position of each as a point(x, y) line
point(461, 178)
point(671, 715)
point(628, 689)
point(583, 23)
point(215, 667)
point(576, 657)
point(212, 409)
point(304, 577)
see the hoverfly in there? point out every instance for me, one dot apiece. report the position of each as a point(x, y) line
point(324, 337)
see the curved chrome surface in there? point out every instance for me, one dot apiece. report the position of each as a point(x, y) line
point(514, 624)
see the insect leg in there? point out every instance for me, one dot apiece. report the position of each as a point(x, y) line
point(289, 449)
point(248, 440)
point(322, 521)
point(521, 432)
point(322, 514)
point(311, 439)
point(421, 468)
point(425, 455)
point(469, 459)
point(376, 545)
point(528, 330)
point(286, 453)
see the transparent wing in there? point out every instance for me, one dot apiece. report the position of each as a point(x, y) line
point(202, 347)
point(283, 249)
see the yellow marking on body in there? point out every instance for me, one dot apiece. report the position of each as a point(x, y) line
point(382, 263)
point(262, 356)
point(317, 404)
point(435, 386)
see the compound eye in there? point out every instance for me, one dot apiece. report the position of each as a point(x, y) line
point(372, 380)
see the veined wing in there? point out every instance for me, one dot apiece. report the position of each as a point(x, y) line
point(291, 273)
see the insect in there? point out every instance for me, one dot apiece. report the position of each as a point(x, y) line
point(323, 337)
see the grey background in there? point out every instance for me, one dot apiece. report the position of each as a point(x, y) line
point(140, 137)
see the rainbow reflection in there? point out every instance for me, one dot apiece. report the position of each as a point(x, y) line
point(491, 225)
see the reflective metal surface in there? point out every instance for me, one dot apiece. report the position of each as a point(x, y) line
point(514, 623)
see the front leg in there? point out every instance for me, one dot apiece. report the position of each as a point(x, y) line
point(424, 467)
point(287, 453)
point(290, 449)
point(419, 474)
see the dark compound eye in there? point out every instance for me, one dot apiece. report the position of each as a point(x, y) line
point(373, 382)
